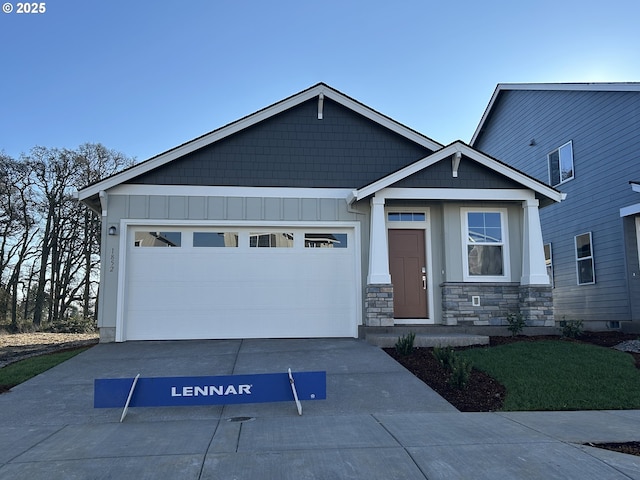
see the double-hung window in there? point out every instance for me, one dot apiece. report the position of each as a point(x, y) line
point(584, 259)
point(561, 164)
point(486, 255)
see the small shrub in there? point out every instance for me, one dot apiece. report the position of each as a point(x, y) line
point(460, 372)
point(459, 368)
point(516, 323)
point(71, 325)
point(445, 356)
point(571, 328)
point(404, 345)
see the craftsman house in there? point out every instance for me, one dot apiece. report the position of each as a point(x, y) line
point(317, 217)
point(583, 139)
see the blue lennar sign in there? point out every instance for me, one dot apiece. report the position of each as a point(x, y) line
point(218, 390)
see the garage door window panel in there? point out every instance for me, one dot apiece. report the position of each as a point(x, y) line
point(271, 240)
point(215, 239)
point(158, 239)
point(325, 240)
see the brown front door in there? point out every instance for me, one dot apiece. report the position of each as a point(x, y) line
point(408, 273)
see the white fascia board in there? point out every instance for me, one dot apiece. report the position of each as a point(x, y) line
point(456, 194)
point(381, 119)
point(485, 115)
point(251, 120)
point(569, 87)
point(222, 191)
point(630, 210)
point(196, 144)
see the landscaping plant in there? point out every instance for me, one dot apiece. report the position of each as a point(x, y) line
point(571, 328)
point(404, 345)
point(459, 368)
point(516, 323)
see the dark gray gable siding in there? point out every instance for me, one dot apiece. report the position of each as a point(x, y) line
point(470, 175)
point(605, 130)
point(295, 149)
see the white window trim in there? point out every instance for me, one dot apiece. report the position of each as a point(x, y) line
point(573, 172)
point(506, 257)
point(591, 257)
point(550, 272)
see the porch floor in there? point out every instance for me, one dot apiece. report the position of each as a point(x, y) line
point(388, 340)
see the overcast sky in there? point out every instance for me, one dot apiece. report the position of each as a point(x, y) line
point(141, 77)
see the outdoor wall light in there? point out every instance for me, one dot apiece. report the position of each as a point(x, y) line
point(113, 230)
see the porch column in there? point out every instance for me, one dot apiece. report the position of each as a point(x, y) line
point(378, 246)
point(534, 269)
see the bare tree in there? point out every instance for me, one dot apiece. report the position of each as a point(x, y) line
point(17, 229)
point(50, 244)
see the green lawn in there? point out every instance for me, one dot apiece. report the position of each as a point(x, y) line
point(561, 375)
point(21, 371)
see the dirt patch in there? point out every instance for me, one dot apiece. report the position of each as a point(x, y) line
point(18, 346)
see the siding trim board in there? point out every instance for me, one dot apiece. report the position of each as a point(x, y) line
point(223, 191)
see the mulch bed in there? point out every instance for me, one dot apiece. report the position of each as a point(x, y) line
point(485, 394)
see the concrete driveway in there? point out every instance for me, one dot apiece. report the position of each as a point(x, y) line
point(378, 422)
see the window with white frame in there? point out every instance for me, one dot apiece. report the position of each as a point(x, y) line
point(584, 259)
point(548, 260)
point(485, 243)
point(561, 164)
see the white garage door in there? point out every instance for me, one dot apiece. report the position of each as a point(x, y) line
point(195, 283)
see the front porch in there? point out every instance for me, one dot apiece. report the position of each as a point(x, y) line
point(430, 336)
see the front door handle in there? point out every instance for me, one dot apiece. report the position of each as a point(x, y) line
point(424, 282)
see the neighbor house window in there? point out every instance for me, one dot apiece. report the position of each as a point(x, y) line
point(548, 260)
point(584, 259)
point(275, 240)
point(158, 239)
point(485, 245)
point(561, 164)
point(325, 240)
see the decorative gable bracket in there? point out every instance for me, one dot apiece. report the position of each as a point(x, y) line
point(320, 105)
point(455, 163)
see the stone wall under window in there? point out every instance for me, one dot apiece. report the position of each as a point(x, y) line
point(497, 300)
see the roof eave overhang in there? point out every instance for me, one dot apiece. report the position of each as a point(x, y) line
point(234, 127)
point(575, 87)
point(544, 193)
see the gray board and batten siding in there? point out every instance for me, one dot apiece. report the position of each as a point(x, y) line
point(523, 128)
point(295, 149)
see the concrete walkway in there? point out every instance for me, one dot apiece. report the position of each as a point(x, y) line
point(378, 422)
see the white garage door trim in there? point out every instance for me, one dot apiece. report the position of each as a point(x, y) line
point(129, 224)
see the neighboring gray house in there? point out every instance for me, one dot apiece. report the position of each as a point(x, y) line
point(317, 217)
point(583, 139)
